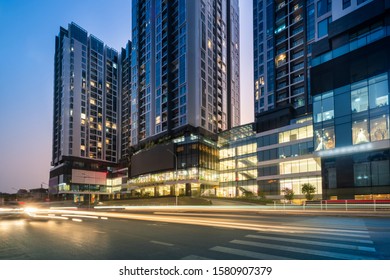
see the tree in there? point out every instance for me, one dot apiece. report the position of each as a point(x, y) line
point(288, 194)
point(308, 190)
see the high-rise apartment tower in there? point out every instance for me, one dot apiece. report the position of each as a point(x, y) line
point(284, 31)
point(85, 116)
point(185, 67)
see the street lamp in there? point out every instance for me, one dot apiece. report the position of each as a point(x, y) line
point(175, 173)
point(48, 191)
point(89, 191)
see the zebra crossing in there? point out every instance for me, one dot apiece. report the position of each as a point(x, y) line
point(309, 243)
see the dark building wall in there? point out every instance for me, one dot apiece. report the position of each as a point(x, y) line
point(354, 66)
point(158, 158)
point(274, 118)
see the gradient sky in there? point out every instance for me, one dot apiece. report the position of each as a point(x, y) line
point(27, 35)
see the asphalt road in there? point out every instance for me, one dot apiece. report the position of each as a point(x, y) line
point(193, 234)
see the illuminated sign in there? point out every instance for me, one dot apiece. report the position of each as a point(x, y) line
point(345, 150)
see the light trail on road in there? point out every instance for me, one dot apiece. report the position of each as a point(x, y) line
point(202, 219)
point(202, 233)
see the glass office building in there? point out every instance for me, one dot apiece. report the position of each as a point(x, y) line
point(286, 160)
point(350, 88)
point(237, 162)
point(183, 166)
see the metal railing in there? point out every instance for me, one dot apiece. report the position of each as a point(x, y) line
point(339, 205)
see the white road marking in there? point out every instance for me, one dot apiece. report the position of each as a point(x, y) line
point(81, 216)
point(325, 237)
point(302, 250)
point(245, 253)
point(195, 257)
point(310, 242)
point(161, 243)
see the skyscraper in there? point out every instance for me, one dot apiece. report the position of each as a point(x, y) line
point(85, 117)
point(125, 112)
point(284, 31)
point(321, 71)
point(185, 67)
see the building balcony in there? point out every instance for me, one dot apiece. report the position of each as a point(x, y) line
point(281, 5)
point(298, 79)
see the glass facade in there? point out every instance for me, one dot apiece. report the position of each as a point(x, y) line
point(195, 172)
point(238, 162)
point(358, 113)
point(356, 133)
point(285, 160)
point(359, 39)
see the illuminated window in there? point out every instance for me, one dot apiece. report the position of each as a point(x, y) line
point(280, 28)
point(280, 59)
point(261, 81)
point(324, 139)
point(284, 137)
point(296, 134)
point(359, 100)
point(299, 166)
point(327, 108)
point(360, 132)
point(379, 128)
point(323, 107)
point(378, 91)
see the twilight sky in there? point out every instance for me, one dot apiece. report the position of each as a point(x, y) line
point(27, 36)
